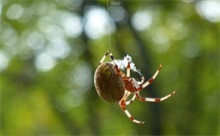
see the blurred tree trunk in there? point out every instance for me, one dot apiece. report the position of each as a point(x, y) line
point(93, 118)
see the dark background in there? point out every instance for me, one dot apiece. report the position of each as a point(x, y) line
point(50, 49)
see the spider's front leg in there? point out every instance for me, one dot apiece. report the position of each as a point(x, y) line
point(143, 85)
point(103, 58)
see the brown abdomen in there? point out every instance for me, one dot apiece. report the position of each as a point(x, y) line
point(109, 85)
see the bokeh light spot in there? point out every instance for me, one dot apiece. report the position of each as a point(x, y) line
point(72, 24)
point(44, 62)
point(118, 13)
point(191, 50)
point(141, 20)
point(98, 23)
point(15, 11)
point(59, 49)
point(4, 60)
point(209, 9)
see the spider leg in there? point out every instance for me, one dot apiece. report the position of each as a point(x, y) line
point(128, 68)
point(116, 66)
point(128, 75)
point(130, 101)
point(112, 57)
point(103, 58)
point(113, 60)
point(152, 78)
point(123, 105)
point(142, 80)
point(154, 99)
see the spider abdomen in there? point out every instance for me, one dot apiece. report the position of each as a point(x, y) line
point(109, 85)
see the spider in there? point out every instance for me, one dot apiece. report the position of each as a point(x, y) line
point(112, 85)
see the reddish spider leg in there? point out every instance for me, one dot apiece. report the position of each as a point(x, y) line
point(147, 84)
point(153, 99)
point(123, 102)
point(152, 78)
point(143, 85)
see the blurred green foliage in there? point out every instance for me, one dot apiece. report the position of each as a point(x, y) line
point(50, 49)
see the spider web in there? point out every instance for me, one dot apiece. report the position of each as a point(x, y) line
point(122, 64)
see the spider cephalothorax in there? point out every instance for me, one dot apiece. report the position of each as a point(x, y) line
point(113, 85)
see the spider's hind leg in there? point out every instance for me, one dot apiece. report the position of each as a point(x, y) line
point(130, 101)
point(123, 105)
